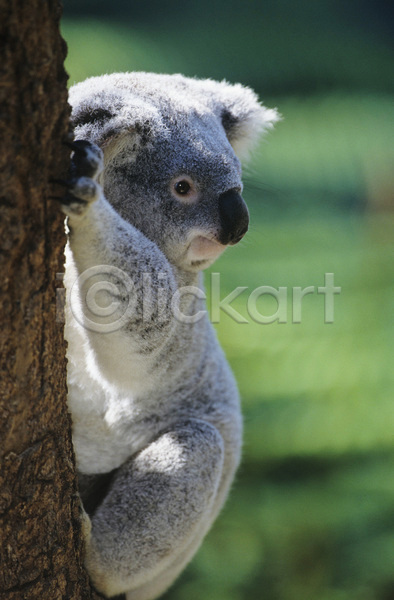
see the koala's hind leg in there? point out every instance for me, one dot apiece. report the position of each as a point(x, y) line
point(157, 510)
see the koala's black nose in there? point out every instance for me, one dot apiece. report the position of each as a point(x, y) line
point(234, 217)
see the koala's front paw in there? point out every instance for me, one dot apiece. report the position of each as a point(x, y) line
point(87, 162)
point(87, 159)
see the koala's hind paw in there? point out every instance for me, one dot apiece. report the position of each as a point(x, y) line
point(86, 525)
point(82, 189)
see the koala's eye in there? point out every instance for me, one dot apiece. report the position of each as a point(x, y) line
point(182, 187)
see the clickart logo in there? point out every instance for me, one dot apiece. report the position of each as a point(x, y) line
point(105, 299)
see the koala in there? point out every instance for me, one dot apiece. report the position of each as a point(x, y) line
point(154, 197)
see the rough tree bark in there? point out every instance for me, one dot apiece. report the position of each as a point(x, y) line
point(40, 537)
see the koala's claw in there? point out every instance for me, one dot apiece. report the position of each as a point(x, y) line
point(75, 146)
point(81, 189)
point(86, 525)
point(81, 192)
point(62, 182)
point(87, 159)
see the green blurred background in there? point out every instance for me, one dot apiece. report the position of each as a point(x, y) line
point(311, 516)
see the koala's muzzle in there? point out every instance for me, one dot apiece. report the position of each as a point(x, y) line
point(234, 217)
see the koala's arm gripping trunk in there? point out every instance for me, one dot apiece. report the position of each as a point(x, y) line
point(114, 275)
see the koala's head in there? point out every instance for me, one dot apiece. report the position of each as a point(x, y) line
point(171, 148)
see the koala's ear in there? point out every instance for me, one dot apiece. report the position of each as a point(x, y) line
point(244, 118)
point(102, 114)
point(95, 124)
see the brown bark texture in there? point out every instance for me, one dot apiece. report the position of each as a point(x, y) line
point(40, 530)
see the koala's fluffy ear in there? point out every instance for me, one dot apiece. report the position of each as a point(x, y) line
point(102, 112)
point(243, 117)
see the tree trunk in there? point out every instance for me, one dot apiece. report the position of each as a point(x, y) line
point(40, 532)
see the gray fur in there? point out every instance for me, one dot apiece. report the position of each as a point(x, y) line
point(156, 418)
